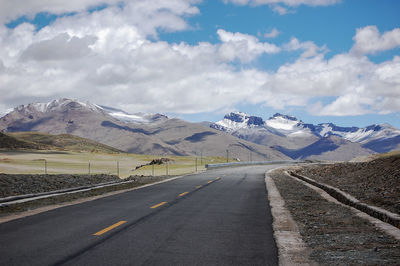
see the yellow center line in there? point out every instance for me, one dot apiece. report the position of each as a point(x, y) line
point(210, 181)
point(105, 230)
point(199, 186)
point(218, 178)
point(158, 205)
point(183, 194)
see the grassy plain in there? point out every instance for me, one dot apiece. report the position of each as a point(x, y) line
point(123, 164)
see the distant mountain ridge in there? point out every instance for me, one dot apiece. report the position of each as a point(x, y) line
point(286, 125)
point(136, 133)
point(278, 137)
point(291, 135)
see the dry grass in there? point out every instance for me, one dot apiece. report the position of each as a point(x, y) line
point(60, 162)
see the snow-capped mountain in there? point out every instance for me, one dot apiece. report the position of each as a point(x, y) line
point(57, 105)
point(291, 133)
point(63, 104)
point(361, 135)
point(136, 133)
point(278, 124)
point(237, 120)
point(132, 118)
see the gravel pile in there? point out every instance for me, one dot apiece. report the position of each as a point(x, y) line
point(376, 182)
point(12, 185)
point(333, 233)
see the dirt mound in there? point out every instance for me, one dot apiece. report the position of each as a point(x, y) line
point(376, 182)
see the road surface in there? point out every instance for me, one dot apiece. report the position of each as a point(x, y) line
point(219, 217)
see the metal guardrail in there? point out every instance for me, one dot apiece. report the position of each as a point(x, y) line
point(217, 165)
point(61, 191)
point(30, 197)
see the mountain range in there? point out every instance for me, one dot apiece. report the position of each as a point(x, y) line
point(300, 140)
point(136, 133)
point(241, 135)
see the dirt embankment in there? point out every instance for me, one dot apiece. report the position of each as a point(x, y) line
point(376, 182)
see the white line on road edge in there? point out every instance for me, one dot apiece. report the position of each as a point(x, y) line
point(292, 250)
point(385, 227)
point(78, 201)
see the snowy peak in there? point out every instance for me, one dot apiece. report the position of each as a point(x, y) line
point(64, 105)
point(292, 127)
point(57, 105)
point(238, 120)
point(286, 117)
point(284, 122)
point(361, 135)
point(133, 118)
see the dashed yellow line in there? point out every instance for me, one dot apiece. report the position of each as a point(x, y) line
point(210, 181)
point(199, 186)
point(183, 194)
point(105, 230)
point(158, 205)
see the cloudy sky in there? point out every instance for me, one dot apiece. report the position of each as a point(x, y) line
point(320, 60)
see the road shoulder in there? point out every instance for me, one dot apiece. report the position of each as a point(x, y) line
point(334, 233)
point(292, 249)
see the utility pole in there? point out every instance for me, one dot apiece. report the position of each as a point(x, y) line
point(166, 168)
point(196, 164)
point(152, 169)
point(201, 157)
point(227, 155)
point(89, 168)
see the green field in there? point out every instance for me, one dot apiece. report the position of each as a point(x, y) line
point(66, 162)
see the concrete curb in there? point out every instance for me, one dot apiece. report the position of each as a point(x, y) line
point(343, 197)
point(292, 250)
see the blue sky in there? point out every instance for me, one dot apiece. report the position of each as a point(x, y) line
point(328, 61)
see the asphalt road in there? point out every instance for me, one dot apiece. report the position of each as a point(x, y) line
point(219, 217)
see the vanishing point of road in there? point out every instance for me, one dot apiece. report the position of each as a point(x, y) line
point(218, 217)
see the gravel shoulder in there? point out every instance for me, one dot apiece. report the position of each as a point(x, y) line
point(334, 234)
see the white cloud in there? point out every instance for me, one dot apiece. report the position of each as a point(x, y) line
point(285, 2)
point(112, 57)
point(280, 9)
point(283, 6)
point(272, 34)
point(310, 49)
point(243, 46)
point(369, 40)
point(11, 10)
point(61, 47)
point(357, 85)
